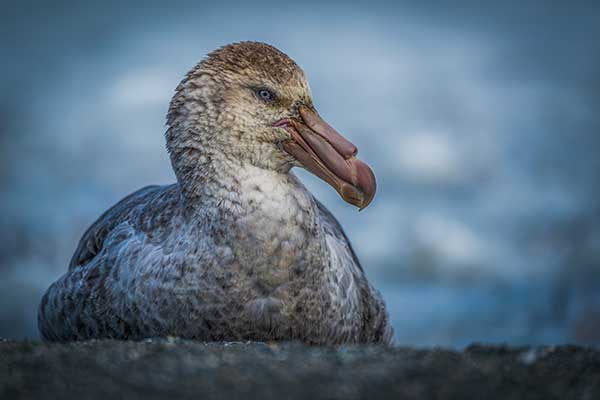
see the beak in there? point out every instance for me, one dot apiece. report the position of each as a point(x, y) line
point(327, 154)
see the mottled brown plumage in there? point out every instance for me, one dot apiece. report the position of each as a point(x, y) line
point(252, 59)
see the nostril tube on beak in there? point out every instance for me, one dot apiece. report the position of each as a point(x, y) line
point(319, 126)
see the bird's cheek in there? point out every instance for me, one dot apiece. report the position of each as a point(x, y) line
point(278, 134)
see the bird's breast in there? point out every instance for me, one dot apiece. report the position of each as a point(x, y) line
point(274, 235)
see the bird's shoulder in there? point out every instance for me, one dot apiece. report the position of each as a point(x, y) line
point(132, 209)
point(334, 229)
point(376, 327)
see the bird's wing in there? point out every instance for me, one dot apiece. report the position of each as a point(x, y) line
point(93, 239)
point(375, 320)
point(333, 228)
point(91, 299)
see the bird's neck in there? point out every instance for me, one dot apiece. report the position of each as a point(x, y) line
point(210, 180)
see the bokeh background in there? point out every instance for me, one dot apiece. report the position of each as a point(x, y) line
point(480, 119)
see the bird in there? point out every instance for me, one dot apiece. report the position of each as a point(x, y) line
point(237, 249)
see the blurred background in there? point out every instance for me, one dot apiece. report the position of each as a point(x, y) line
point(481, 121)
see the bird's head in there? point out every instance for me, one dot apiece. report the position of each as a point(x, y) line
point(249, 101)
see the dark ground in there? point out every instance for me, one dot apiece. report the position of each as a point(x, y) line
point(186, 369)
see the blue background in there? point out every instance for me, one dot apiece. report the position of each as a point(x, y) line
point(480, 120)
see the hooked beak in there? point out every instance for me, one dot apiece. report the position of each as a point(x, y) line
point(327, 154)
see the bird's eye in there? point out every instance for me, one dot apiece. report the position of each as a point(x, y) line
point(265, 94)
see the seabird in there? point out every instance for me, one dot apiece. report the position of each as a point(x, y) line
point(237, 248)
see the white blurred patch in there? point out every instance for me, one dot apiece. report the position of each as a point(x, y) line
point(451, 240)
point(372, 236)
point(142, 88)
point(427, 157)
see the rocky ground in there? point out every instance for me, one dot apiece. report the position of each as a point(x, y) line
point(171, 368)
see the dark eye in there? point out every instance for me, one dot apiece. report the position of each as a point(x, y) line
point(265, 94)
